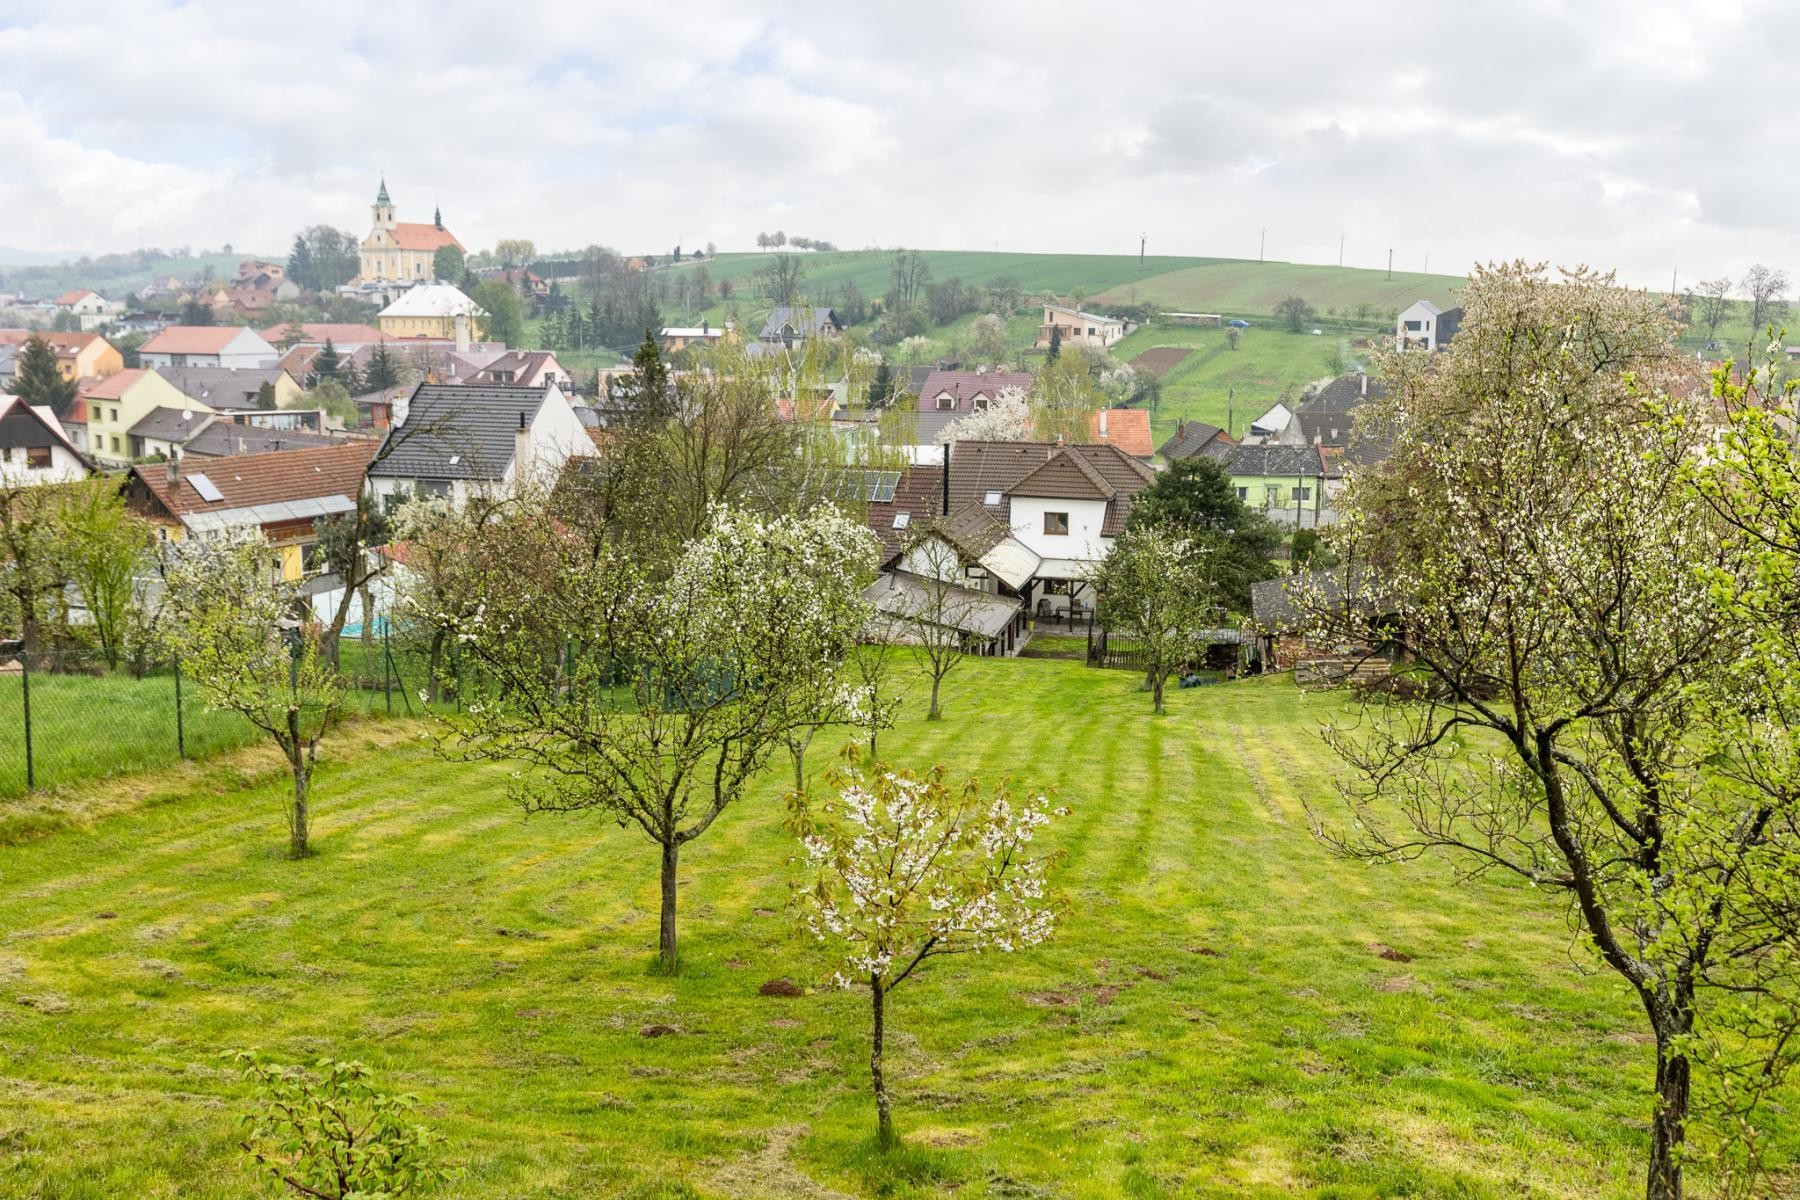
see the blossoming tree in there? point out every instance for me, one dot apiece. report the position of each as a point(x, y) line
point(1536, 550)
point(1008, 418)
point(905, 869)
point(225, 614)
point(1156, 589)
point(658, 700)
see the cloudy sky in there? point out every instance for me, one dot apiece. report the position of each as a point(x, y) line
point(1643, 136)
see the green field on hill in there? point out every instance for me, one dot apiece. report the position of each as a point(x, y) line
point(1242, 287)
point(1223, 386)
point(1227, 1010)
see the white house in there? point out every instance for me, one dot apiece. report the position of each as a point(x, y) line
point(1078, 328)
point(207, 346)
point(90, 308)
point(1422, 325)
point(456, 441)
point(34, 447)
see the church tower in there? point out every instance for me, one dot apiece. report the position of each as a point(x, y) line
point(384, 208)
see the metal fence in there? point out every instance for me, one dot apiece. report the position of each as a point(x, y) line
point(68, 715)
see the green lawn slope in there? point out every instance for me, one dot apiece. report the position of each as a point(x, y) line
point(1213, 1019)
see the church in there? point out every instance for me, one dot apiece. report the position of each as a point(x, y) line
point(402, 251)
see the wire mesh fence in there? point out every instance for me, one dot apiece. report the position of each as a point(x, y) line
point(68, 715)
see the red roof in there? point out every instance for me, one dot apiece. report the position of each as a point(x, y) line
point(67, 345)
point(77, 412)
point(115, 385)
point(192, 339)
point(247, 480)
point(1126, 428)
point(409, 236)
point(73, 297)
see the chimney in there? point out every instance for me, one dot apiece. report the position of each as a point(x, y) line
point(705, 328)
point(946, 512)
point(1103, 423)
point(521, 449)
point(174, 468)
point(1365, 385)
point(1180, 430)
point(462, 333)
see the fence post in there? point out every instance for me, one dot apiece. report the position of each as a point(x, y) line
point(387, 670)
point(25, 681)
point(180, 727)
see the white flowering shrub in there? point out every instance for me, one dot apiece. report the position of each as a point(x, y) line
point(902, 869)
point(1007, 418)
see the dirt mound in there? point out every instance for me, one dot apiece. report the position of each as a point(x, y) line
point(781, 987)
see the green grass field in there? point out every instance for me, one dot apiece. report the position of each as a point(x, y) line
point(1211, 1020)
point(1246, 288)
point(1224, 386)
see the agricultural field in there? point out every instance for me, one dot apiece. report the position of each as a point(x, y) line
point(1226, 1010)
point(1243, 288)
point(1220, 385)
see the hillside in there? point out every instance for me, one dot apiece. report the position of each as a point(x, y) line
point(1228, 1008)
point(1245, 288)
point(117, 275)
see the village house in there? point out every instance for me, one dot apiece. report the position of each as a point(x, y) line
point(436, 311)
point(78, 355)
point(234, 387)
point(34, 447)
point(117, 403)
point(90, 308)
point(402, 251)
point(281, 494)
point(1078, 328)
point(787, 324)
point(207, 346)
point(524, 368)
point(679, 337)
point(1287, 483)
point(946, 397)
point(1030, 520)
point(456, 441)
point(1422, 325)
point(1191, 438)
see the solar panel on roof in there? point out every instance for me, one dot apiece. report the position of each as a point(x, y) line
point(209, 491)
point(882, 485)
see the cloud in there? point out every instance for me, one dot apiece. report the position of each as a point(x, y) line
point(1635, 135)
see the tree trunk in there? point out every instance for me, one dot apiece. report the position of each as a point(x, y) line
point(368, 622)
point(936, 714)
point(1156, 691)
point(884, 1116)
point(1668, 1128)
point(666, 942)
point(297, 833)
point(437, 663)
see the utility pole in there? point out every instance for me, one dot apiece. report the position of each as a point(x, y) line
point(1142, 238)
point(1340, 249)
point(1262, 242)
point(1230, 411)
point(1390, 270)
point(1428, 262)
point(1674, 274)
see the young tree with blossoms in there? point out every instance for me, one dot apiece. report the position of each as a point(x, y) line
point(231, 623)
point(1604, 720)
point(657, 701)
point(1156, 588)
point(902, 869)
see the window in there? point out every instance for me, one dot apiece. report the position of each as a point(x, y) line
point(946, 402)
point(1243, 493)
point(979, 403)
point(902, 520)
point(115, 443)
point(115, 415)
point(992, 499)
point(1056, 522)
point(1301, 493)
point(37, 457)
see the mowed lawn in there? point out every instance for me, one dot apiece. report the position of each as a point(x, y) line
point(1211, 1020)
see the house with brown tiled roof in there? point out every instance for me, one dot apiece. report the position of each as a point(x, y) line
point(524, 368)
point(1033, 519)
point(948, 396)
point(1191, 438)
point(89, 307)
point(282, 494)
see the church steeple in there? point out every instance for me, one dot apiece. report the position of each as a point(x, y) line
point(381, 197)
point(437, 217)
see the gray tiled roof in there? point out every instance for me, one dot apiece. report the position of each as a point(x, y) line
point(1189, 438)
point(457, 432)
point(1273, 460)
point(221, 387)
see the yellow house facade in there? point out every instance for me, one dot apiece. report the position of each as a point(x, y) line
point(433, 310)
point(78, 355)
point(120, 401)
